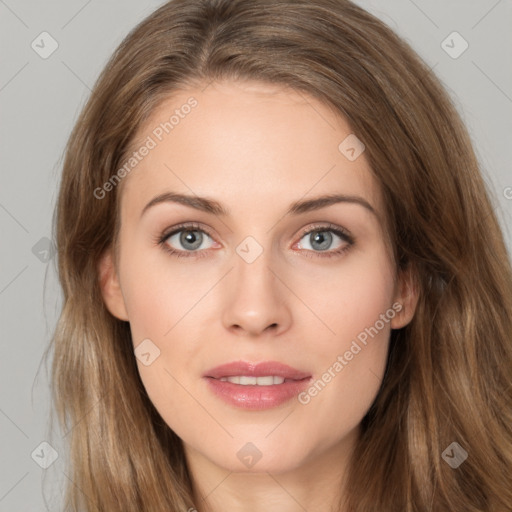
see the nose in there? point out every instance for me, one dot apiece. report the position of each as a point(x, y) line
point(256, 298)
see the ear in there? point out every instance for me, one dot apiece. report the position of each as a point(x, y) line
point(110, 287)
point(406, 294)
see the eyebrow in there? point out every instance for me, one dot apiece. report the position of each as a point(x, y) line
point(298, 207)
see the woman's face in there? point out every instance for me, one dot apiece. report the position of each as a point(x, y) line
point(263, 271)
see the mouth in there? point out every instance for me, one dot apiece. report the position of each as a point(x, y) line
point(256, 386)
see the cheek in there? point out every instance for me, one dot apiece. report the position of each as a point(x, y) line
point(351, 355)
point(163, 306)
point(169, 306)
point(159, 294)
point(343, 301)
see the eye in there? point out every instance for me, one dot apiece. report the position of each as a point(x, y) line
point(326, 239)
point(186, 239)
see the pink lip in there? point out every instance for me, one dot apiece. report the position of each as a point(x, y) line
point(252, 396)
point(256, 370)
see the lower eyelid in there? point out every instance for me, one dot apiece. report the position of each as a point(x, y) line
point(327, 254)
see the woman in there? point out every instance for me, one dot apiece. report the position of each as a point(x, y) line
point(285, 287)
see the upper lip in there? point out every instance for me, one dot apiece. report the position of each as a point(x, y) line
point(256, 370)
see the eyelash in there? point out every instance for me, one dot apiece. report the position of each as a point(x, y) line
point(343, 234)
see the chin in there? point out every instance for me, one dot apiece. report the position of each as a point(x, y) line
point(257, 456)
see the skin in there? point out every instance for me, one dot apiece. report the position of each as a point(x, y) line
point(256, 148)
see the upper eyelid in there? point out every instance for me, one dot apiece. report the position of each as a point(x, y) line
point(185, 227)
point(325, 227)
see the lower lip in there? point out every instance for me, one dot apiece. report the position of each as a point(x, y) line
point(257, 397)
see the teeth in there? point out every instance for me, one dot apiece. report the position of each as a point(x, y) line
point(253, 381)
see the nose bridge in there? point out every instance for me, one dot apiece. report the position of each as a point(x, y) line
point(252, 272)
point(255, 275)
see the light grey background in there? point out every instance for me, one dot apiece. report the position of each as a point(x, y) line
point(40, 100)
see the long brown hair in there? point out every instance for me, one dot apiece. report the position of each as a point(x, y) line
point(449, 374)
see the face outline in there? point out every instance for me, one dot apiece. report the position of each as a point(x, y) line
point(256, 149)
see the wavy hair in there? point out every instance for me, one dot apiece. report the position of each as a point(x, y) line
point(449, 376)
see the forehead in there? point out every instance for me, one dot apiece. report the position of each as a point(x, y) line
point(247, 144)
